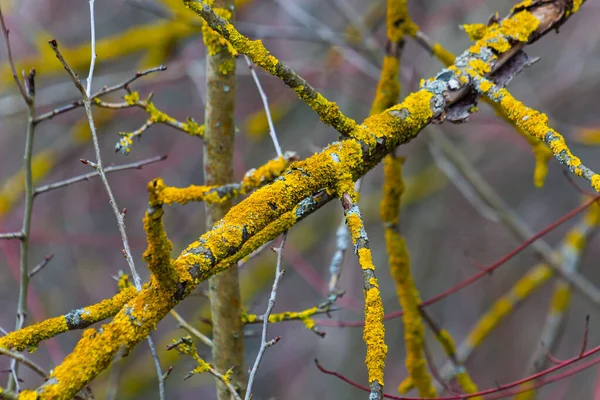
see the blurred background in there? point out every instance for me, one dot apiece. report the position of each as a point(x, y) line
point(341, 59)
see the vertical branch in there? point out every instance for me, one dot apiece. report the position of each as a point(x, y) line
point(408, 295)
point(27, 90)
point(93, 46)
point(225, 303)
point(265, 344)
point(374, 332)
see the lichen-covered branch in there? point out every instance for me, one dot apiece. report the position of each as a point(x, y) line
point(31, 336)
point(253, 179)
point(408, 294)
point(536, 124)
point(374, 331)
point(541, 151)
point(304, 316)
point(158, 253)
point(185, 345)
point(261, 217)
point(328, 111)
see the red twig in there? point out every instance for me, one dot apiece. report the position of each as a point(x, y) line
point(500, 388)
point(484, 271)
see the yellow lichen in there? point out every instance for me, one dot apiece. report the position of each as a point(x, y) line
point(446, 57)
point(398, 21)
point(328, 111)
point(253, 179)
point(29, 337)
point(388, 88)
point(480, 66)
point(475, 31)
point(132, 98)
point(561, 298)
point(373, 335)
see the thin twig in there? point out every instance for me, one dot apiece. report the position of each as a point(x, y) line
point(27, 90)
point(265, 102)
point(112, 201)
point(23, 360)
point(11, 61)
point(93, 46)
point(105, 90)
point(325, 32)
point(161, 376)
point(512, 220)
point(185, 325)
point(11, 235)
point(107, 170)
point(264, 345)
point(41, 265)
point(186, 345)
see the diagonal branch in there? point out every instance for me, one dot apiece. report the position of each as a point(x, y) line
point(268, 212)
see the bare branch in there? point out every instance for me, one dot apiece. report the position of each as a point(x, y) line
point(264, 345)
point(107, 170)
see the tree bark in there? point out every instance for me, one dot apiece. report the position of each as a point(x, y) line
point(228, 348)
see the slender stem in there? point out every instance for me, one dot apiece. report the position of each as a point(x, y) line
point(23, 360)
point(112, 201)
point(85, 177)
point(264, 344)
point(26, 228)
point(185, 325)
point(11, 235)
point(93, 46)
point(265, 102)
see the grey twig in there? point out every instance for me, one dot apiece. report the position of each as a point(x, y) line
point(11, 235)
point(25, 361)
point(100, 169)
point(105, 90)
point(512, 220)
point(264, 345)
point(27, 90)
point(107, 170)
point(185, 325)
point(41, 265)
point(265, 102)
